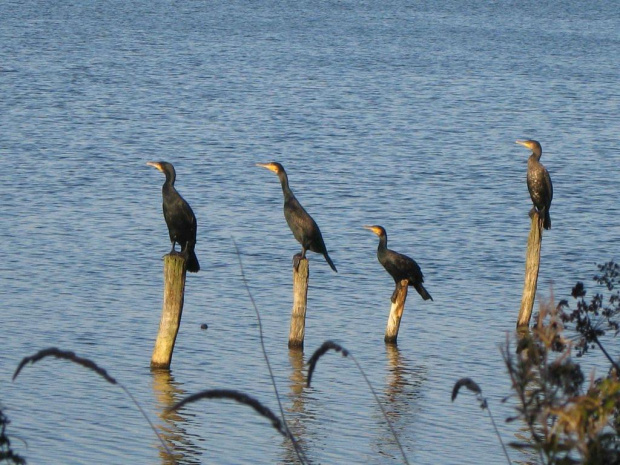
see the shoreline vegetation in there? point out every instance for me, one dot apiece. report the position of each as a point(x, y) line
point(568, 418)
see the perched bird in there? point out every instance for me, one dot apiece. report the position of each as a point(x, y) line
point(399, 266)
point(302, 225)
point(538, 182)
point(179, 216)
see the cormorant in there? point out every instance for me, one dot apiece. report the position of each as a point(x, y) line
point(179, 216)
point(302, 225)
point(538, 182)
point(399, 266)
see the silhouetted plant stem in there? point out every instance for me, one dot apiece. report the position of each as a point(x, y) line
point(70, 356)
point(612, 361)
point(497, 431)
point(6, 452)
point(237, 396)
point(529, 420)
point(484, 405)
point(300, 453)
point(324, 348)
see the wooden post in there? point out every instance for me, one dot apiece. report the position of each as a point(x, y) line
point(300, 300)
point(396, 313)
point(532, 264)
point(174, 290)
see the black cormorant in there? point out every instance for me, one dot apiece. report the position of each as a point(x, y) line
point(179, 216)
point(538, 181)
point(399, 266)
point(301, 223)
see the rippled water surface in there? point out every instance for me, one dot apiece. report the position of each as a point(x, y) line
point(395, 113)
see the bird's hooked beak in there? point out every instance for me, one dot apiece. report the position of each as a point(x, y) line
point(374, 229)
point(155, 165)
point(525, 143)
point(270, 166)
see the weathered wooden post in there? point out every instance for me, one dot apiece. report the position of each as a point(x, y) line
point(532, 264)
point(300, 300)
point(396, 313)
point(174, 290)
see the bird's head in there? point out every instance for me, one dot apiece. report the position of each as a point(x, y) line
point(533, 145)
point(162, 166)
point(378, 230)
point(272, 166)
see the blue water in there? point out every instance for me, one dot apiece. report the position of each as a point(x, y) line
point(396, 113)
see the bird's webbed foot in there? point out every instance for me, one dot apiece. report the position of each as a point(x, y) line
point(535, 212)
point(395, 293)
point(296, 260)
point(172, 250)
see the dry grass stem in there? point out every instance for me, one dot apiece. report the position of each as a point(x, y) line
point(473, 387)
point(298, 451)
point(318, 353)
point(68, 355)
point(325, 347)
point(65, 355)
point(238, 397)
point(465, 382)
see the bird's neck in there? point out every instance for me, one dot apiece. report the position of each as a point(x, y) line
point(170, 178)
point(382, 244)
point(288, 193)
point(536, 155)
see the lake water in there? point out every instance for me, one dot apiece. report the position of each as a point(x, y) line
point(396, 113)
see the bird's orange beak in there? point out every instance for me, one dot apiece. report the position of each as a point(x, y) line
point(155, 165)
point(525, 143)
point(374, 229)
point(270, 166)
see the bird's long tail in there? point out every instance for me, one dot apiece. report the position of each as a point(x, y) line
point(329, 261)
point(547, 222)
point(422, 291)
point(192, 261)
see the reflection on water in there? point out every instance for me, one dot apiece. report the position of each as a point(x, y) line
point(296, 412)
point(404, 382)
point(167, 393)
point(403, 391)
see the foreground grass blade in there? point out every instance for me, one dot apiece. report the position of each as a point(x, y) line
point(85, 362)
point(331, 345)
point(298, 451)
point(237, 396)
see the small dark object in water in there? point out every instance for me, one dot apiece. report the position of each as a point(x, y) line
point(204, 326)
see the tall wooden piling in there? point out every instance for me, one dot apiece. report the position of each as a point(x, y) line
point(174, 290)
point(300, 300)
point(396, 313)
point(532, 264)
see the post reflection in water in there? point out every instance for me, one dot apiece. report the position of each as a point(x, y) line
point(167, 393)
point(403, 391)
point(296, 412)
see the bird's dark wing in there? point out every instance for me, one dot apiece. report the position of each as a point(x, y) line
point(180, 218)
point(304, 228)
point(549, 186)
point(401, 267)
